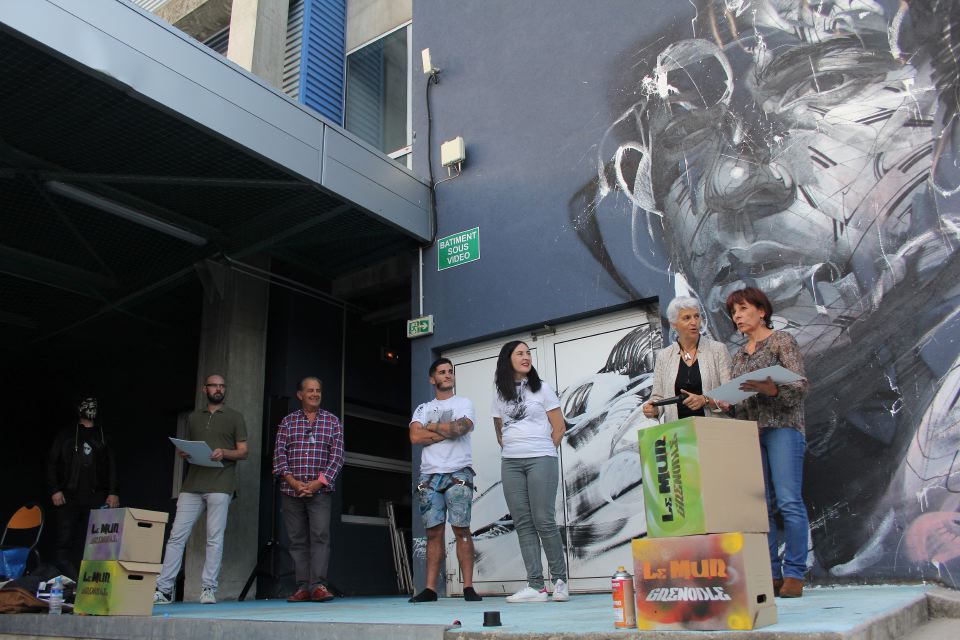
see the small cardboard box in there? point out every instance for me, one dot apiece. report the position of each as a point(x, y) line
point(702, 475)
point(709, 582)
point(116, 588)
point(134, 535)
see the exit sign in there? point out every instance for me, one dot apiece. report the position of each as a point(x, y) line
point(458, 249)
point(419, 327)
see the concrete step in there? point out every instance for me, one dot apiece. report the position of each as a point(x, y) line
point(937, 629)
point(944, 603)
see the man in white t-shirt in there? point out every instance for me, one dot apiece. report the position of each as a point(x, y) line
point(445, 485)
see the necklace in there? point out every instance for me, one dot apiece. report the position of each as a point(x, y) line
point(688, 355)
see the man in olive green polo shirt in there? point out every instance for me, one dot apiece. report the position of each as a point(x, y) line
point(209, 488)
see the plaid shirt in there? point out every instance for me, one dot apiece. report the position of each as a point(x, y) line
point(306, 449)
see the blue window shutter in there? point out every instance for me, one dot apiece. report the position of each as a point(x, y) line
point(323, 55)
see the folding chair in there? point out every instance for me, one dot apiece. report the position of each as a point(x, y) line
point(23, 531)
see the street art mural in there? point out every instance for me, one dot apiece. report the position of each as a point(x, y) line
point(809, 149)
point(601, 464)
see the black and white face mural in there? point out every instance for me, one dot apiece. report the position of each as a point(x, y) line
point(601, 466)
point(809, 148)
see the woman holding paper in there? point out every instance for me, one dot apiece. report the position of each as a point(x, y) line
point(778, 410)
point(687, 367)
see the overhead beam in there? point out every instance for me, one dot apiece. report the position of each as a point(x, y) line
point(178, 181)
point(11, 154)
point(392, 272)
point(29, 266)
point(122, 211)
point(17, 320)
point(293, 231)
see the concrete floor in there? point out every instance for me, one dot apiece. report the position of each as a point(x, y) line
point(835, 610)
point(856, 612)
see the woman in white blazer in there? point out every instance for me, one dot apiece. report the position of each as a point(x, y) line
point(688, 367)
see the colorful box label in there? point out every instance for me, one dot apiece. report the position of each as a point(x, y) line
point(110, 587)
point(104, 534)
point(700, 582)
point(125, 534)
point(670, 461)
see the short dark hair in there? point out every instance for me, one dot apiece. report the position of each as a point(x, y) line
point(437, 363)
point(753, 297)
point(319, 382)
point(503, 376)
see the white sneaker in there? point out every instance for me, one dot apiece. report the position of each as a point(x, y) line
point(529, 594)
point(207, 597)
point(159, 597)
point(561, 592)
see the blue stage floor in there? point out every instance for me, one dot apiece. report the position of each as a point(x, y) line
point(836, 610)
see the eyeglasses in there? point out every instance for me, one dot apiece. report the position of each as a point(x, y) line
point(219, 386)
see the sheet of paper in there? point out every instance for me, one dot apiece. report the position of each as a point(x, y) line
point(199, 452)
point(730, 392)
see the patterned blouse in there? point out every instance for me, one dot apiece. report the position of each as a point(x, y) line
point(786, 408)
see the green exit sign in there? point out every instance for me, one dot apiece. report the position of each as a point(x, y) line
point(458, 249)
point(419, 327)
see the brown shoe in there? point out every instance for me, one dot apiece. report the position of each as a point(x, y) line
point(302, 595)
point(777, 585)
point(320, 594)
point(792, 588)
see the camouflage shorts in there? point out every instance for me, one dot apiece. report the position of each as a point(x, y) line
point(441, 497)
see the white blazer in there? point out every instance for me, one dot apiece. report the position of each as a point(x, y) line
point(714, 362)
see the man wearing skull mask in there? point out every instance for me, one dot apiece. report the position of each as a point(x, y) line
point(81, 475)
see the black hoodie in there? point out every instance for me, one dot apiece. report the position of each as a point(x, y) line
point(65, 463)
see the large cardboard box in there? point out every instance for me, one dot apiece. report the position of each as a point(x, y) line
point(702, 475)
point(717, 581)
point(134, 535)
point(116, 588)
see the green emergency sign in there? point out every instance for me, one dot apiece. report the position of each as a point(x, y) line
point(458, 249)
point(419, 327)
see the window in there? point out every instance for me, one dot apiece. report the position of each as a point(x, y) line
point(377, 95)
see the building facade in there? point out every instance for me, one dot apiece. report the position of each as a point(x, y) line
point(623, 153)
point(628, 152)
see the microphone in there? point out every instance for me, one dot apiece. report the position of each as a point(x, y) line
point(666, 401)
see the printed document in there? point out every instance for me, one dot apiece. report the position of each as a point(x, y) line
point(199, 452)
point(731, 393)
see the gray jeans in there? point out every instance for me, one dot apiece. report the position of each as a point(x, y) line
point(530, 489)
point(308, 526)
point(190, 507)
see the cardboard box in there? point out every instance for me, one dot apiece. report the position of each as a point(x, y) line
point(702, 475)
point(717, 581)
point(116, 588)
point(134, 535)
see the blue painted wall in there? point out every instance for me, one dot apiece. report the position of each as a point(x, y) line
point(809, 154)
point(323, 56)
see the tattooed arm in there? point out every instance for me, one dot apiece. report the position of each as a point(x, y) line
point(419, 434)
point(451, 430)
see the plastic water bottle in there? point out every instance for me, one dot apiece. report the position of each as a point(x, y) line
point(56, 597)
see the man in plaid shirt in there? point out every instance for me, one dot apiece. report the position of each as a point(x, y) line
point(308, 457)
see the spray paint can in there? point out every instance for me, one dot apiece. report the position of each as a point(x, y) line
point(624, 605)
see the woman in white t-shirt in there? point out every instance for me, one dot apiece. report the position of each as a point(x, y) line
point(526, 415)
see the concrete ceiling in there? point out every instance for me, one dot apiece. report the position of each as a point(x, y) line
point(129, 152)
